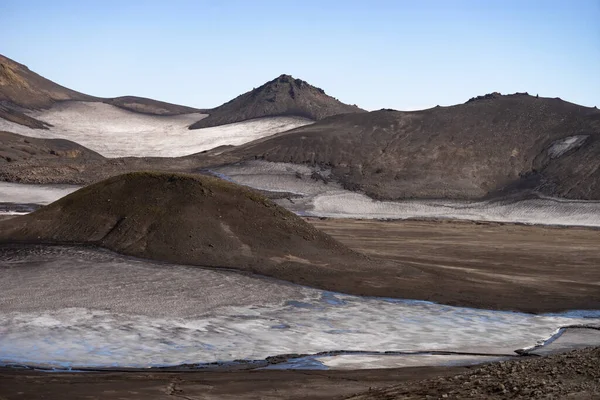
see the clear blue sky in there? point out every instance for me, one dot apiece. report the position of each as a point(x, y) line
point(396, 54)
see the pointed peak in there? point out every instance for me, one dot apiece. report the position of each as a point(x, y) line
point(282, 96)
point(290, 80)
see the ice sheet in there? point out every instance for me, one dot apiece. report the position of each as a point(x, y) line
point(80, 307)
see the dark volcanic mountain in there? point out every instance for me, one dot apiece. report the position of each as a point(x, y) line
point(22, 90)
point(202, 221)
point(489, 145)
point(283, 96)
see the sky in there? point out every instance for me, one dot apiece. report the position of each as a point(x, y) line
point(398, 54)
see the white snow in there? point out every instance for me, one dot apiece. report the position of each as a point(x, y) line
point(79, 307)
point(316, 198)
point(114, 132)
point(560, 147)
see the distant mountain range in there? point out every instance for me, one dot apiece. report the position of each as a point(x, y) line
point(489, 146)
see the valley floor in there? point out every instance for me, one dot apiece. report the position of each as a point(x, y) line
point(207, 385)
point(485, 264)
point(488, 265)
point(573, 375)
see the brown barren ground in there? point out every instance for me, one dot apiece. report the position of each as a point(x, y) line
point(206, 385)
point(486, 265)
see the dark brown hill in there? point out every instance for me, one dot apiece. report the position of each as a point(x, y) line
point(202, 221)
point(489, 145)
point(15, 148)
point(283, 96)
point(21, 87)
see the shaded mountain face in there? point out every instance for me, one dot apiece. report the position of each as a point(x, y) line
point(15, 148)
point(22, 90)
point(201, 221)
point(490, 145)
point(283, 96)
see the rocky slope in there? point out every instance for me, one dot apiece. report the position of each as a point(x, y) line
point(283, 96)
point(21, 87)
point(201, 221)
point(490, 145)
point(574, 375)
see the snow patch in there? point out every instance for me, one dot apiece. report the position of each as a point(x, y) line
point(323, 198)
point(114, 132)
point(560, 147)
point(543, 211)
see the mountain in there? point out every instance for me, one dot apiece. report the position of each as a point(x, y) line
point(198, 220)
point(488, 146)
point(21, 87)
point(22, 90)
point(283, 96)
